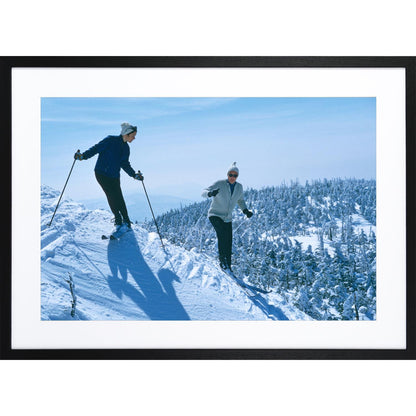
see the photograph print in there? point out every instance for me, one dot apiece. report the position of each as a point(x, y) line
point(208, 209)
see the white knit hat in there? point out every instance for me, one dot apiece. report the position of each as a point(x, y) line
point(127, 128)
point(233, 168)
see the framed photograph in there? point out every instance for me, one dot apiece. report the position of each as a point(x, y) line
point(208, 208)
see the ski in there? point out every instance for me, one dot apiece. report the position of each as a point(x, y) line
point(257, 289)
point(253, 289)
point(249, 292)
point(109, 237)
point(116, 235)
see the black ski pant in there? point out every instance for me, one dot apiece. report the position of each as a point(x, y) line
point(112, 190)
point(224, 232)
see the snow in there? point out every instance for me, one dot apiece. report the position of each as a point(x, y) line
point(310, 240)
point(359, 224)
point(133, 278)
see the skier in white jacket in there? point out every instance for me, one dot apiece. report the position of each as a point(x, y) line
point(225, 194)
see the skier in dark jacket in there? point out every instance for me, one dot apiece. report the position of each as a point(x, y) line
point(225, 195)
point(113, 154)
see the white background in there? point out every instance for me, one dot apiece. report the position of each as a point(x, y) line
point(387, 85)
point(240, 27)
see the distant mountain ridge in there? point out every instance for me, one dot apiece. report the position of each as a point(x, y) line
point(138, 206)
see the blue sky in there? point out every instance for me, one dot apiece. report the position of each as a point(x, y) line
point(184, 144)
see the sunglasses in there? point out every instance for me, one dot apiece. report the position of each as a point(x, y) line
point(232, 175)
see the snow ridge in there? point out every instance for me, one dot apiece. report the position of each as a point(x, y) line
point(133, 279)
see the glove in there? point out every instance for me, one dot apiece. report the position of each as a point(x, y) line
point(213, 193)
point(139, 176)
point(248, 213)
point(78, 155)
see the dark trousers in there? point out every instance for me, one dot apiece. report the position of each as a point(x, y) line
point(112, 190)
point(224, 232)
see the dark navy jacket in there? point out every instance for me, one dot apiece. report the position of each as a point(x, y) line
point(114, 154)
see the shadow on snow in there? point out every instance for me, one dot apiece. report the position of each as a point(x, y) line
point(154, 295)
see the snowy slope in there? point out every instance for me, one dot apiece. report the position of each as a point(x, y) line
point(133, 279)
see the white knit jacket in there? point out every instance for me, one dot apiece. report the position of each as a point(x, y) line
point(223, 203)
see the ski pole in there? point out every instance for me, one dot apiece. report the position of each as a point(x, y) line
point(239, 225)
point(63, 190)
point(244, 220)
point(154, 219)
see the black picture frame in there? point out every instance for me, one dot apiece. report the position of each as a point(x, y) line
point(7, 64)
